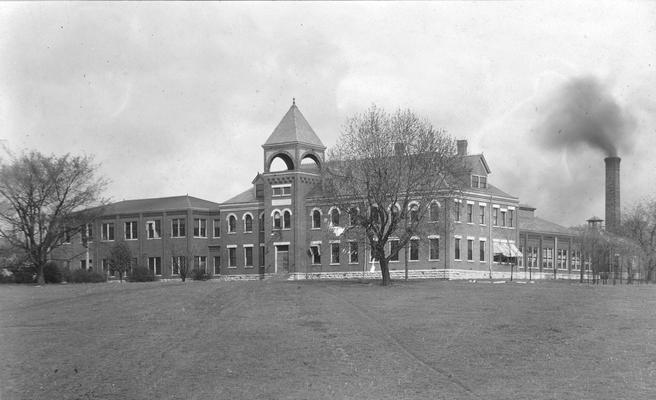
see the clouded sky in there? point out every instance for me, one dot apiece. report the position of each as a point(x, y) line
point(175, 98)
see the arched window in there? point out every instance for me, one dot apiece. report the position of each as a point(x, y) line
point(413, 209)
point(316, 219)
point(373, 211)
point(434, 212)
point(287, 220)
point(277, 223)
point(395, 210)
point(334, 216)
point(248, 223)
point(261, 222)
point(353, 216)
point(232, 224)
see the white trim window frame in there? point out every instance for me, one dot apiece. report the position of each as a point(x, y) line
point(200, 228)
point(335, 250)
point(248, 263)
point(154, 229)
point(107, 231)
point(178, 227)
point(232, 256)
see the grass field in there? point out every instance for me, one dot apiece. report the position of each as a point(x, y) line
point(290, 340)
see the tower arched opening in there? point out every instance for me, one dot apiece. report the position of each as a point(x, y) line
point(281, 162)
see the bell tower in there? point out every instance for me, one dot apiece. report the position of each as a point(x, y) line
point(284, 191)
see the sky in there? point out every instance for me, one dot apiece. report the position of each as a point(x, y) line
point(177, 98)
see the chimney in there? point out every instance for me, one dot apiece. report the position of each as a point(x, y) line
point(613, 218)
point(462, 147)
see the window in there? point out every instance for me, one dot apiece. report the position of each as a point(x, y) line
point(178, 227)
point(217, 228)
point(286, 219)
point(495, 216)
point(434, 212)
point(394, 250)
point(414, 213)
point(316, 219)
point(83, 264)
point(107, 231)
point(232, 224)
point(503, 218)
point(353, 216)
point(277, 221)
point(353, 252)
point(481, 214)
point(105, 265)
point(511, 218)
point(248, 256)
point(547, 257)
point(261, 255)
point(576, 259)
point(478, 181)
point(474, 181)
point(200, 263)
point(520, 260)
point(248, 223)
point(481, 247)
point(334, 253)
point(561, 261)
point(154, 229)
point(315, 251)
point(200, 227)
point(456, 210)
point(456, 251)
point(414, 249)
point(433, 248)
point(155, 265)
point(334, 217)
point(131, 230)
point(279, 191)
point(532, 257)
point(177, 263)
point(232, 257)
point(470, 249)
point(86, 234)
point(217, 265)
point(261, 222)
point(470, 213)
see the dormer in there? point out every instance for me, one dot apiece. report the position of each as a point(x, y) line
point(295, 143)
point(476, 166)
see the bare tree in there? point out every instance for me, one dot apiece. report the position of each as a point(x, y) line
point(44, 200)
point(120, 258)
point(385, 172)
point(639, 224)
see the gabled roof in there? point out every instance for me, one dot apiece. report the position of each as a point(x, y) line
point(293, 128)
point(158, 204)
point(247, 196)
point(471, 159)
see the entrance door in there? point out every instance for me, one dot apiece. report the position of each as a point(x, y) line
point(282, 258)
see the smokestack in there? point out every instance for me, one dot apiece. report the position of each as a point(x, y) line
point(613, 218)
point(462, 147)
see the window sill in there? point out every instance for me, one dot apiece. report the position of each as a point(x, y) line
point(178, 237)
point(248, 231)
point(332, 263)
point(154, 238)
point(248, 267)
point(235, 267)
point(353, 263)
point(200, 237)
point(413, 260)
point(130, 240)
point(433, 259)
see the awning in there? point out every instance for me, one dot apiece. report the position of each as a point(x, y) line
point(506, 248)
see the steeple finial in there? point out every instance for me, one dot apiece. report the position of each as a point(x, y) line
point(293, 101)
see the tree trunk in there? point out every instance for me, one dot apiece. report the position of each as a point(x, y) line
point(384, 270)
point(40, 279)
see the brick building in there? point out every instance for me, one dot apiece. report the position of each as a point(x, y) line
point(281, 225)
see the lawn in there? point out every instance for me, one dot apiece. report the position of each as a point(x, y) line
point(344, 340)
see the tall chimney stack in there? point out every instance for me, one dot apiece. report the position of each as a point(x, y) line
point(613, 218)
point(462, 147)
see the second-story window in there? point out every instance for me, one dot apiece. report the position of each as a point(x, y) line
point(107, 231)
point(131, 230)
point(457, 210)
point(232, 224)
point(217, 228)
point(178, 227)
point(286, 220)
point(481, 214)
point(334, 217)
point(279, 191)
point(277, 220)
point(316, 219)
point(248, 223)
point(470, 213)
point(495, 216)
point(434, 212)
point(153, 229)
point(200, 227)
point(511, 218)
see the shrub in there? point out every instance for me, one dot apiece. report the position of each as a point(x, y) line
point(84, 276)
point(141, 274)
point(199, 275)
point(6, 276)
point(52, 273)
point(25, 275)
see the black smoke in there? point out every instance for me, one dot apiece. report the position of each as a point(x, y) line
point(583, 112)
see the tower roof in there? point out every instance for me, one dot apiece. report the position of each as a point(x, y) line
point(294, 128)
